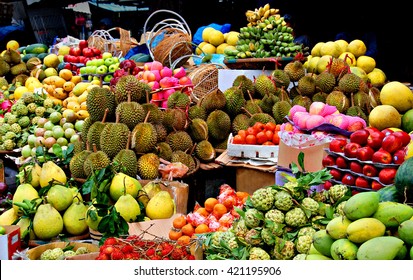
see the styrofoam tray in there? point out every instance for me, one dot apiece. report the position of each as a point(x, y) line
point(251, 151)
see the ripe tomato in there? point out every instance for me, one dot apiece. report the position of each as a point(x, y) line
point(269, 134)
point(261, 137)
point(238, 139)
point(251, 139)
point(259, 126)
point(242, 133)
point(268, 143)
point(270, 126)
point(276, 139)
point(252, 131)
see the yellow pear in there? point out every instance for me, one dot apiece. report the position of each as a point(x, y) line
point(31, 175)
point(47, 222)
point(121, 184)
point(60, 197)
point(161, 206)
point(8, 217)
point(74, 218)
point(128, 207)
point(92, 217)
point(152, 188)
point(76, 193)
point(51, 171)
point(24, 224)
point(23, 191)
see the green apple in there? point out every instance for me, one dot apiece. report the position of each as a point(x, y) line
point(69, 132)
point(99, 62)
point(2, 230)
point(83, 70)
point(79, 125)
point(58, 131)
point(48, 125)
point(75, 138)
point(116, 59)
point(113, 67)
point(109, 61)
point(26, 151)
point(62, 141)
point(68, 125)
point(91, 69)
point(102, 69)
point(90, 62)
point(106, 55)
point(107, 78)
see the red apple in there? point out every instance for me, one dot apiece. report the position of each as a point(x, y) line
point(341, 162)
point(337, 145)
point(399, 156)
point(375, 140)
point(376, 185)
point(391, 143)
point(365, 153)
point(360, 136)
point(370, 170)
point(88, 52)
point(356, 166)
point(386, 175)
point(372, 129)
point(83, 44)
point(328, 160)
point(348, 179)
point(327, 185)
point(387, 131)
point(76, 51)
point(382, 156)
point(355, 126)
point(96, 51)
point(336, 174)
point(362, 182)
point(350, 149)
point(404, 136)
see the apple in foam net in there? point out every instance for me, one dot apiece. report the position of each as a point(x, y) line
point(360, 136)
point(391, 143)
point(365, 153)
point(339, 120)
point(314, 121)
point(399, 156)
point(350, 150)
point(382, 156)
point(295, 109)
point(316, 108)
point(362, 182)
point(341, 162)
point(387, 175)
point(337, 145)
point(356, 167)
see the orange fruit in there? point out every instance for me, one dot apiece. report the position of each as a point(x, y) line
point(183, 240)
point(179, 222)
point(242, 195)
point(219, 210)
point(202, 228)
point(210, 203)
point(174, 234)
point(188, 229)
point(203, 211)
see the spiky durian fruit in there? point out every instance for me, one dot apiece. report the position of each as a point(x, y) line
point(144, 137)
point(306, 85)
point(240, 122)
point(148, 166)
point(76, 164)
point(246, 85)
point(127, 160)
point(204, 151)
point(178, 99)
point(358, 112)
point(95, 161)
point(325, 81)
point(219, 124)
point(213, 101)
point(235, 100)
point(280, 110)
point(179, 140)
point(161, 132)
point(98, 100)
point(129, 84)
point(280, 78)
point(155, 115)
point(260, 117)
point(349, 83)
point(320, 97)
point(338, 99)
point(295, 70)
point(198, 129)
point(264, 85)
point(338, 67)
point(253, 106)
point(184, 158)
point(114, 138)
point(94, 131)
point(164, 150)
point(197, 112)
point(304, 101)
point(267, 102)
point(362, 100)
point(174, 119)
point(130, 113)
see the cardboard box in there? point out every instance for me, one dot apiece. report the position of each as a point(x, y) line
point(248, 180)
point(148, 229)
point(10, 242)
point(251, 151)
point(313, 156)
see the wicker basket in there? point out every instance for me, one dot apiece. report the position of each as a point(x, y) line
point(105, 42)
point(204, 78)
point(169, 39)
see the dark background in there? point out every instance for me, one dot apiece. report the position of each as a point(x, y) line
point(320, 20)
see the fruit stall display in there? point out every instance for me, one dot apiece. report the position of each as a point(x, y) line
point(94, 144)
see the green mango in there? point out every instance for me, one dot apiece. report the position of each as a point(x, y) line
point(392, 214)
point(380, 248)
point(364, 229)
point(322, 242)
point(361, 205)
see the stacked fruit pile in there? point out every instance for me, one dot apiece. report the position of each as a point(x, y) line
point(369, 160)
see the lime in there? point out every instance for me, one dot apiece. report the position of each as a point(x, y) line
point(407, 121)
point(2, 230)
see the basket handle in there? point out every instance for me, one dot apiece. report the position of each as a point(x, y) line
point(167, 11)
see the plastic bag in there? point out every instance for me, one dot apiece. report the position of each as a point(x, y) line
point(224, 28)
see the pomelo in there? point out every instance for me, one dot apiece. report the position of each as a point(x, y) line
point(384, 116)
point(357, 47)
point(397, 95)
point(367, 63)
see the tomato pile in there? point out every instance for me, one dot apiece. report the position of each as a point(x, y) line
point(259, 134)
point(136, 248)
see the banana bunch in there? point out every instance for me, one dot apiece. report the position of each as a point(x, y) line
point(261, 14)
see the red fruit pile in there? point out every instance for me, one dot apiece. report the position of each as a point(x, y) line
point(258, 134)
point(370, 159)
point(136, 248)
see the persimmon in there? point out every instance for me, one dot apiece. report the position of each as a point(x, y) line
point(202, 228)
point(242, 133)
point(238, 139)
point(288, 127)
point(251, 131)
point(268, 143)
point(270, 126)
point(219, 210)
point(251, 139)
point(174, 234)
point(261, 137)
point(184, 240)
point(203, 211)
point(188, 229)
point(210, 203)
point(179, 222)
point(278, 127)
point(242, 195)
point(269, 134)
point(276, 139)
point(259, 126)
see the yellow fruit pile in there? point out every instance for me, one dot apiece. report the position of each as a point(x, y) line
point(214, 41)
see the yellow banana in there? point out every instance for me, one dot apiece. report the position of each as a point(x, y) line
point(266, 7)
